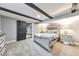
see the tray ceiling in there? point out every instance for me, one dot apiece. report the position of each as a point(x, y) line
point(49, 8)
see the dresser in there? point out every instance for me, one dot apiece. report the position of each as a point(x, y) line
point(2, 44)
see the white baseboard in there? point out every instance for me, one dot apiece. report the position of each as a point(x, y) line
point(10, 41)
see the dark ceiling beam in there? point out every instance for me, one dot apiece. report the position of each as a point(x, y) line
point(38, 9)
point(7, 10)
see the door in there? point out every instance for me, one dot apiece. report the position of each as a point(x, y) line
point(21, 30)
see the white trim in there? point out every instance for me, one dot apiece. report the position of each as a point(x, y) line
point(10, 41)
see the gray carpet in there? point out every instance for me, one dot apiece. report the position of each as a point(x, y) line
point(25, 48)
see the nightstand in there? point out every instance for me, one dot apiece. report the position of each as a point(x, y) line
point(2, 44)
point(66, 39)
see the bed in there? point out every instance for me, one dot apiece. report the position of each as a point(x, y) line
point(44, 40)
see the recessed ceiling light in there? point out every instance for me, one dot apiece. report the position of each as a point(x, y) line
point(38, 16)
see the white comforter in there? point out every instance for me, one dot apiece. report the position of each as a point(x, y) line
point(44, 34)
point(47, 35)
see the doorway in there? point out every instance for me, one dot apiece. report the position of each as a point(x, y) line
point(21, 30)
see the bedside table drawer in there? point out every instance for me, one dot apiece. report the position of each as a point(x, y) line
point(2, 45)
point(1, 39)
point(2, 51)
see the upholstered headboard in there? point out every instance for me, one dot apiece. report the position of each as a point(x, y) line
point(53, 27)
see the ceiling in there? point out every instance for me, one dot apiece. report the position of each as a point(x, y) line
point(53, 8)
point(49, 8)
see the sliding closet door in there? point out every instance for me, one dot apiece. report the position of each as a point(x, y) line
point(21, 30)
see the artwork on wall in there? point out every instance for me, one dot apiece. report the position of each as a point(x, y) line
point(53, 27)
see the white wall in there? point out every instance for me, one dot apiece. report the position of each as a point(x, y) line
point(34, 29)
point(72, 24)
point(0, 23)
point(8, 26)
point(75, 26)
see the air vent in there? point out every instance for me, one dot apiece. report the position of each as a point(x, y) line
point(74, 7)
point(74, 10)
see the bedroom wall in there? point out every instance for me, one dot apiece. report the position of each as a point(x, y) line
point(75, 26)
point(34, 30)
point(8, 26)
point(41, 27)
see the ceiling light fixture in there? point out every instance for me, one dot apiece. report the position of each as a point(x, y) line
point(38, 16)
